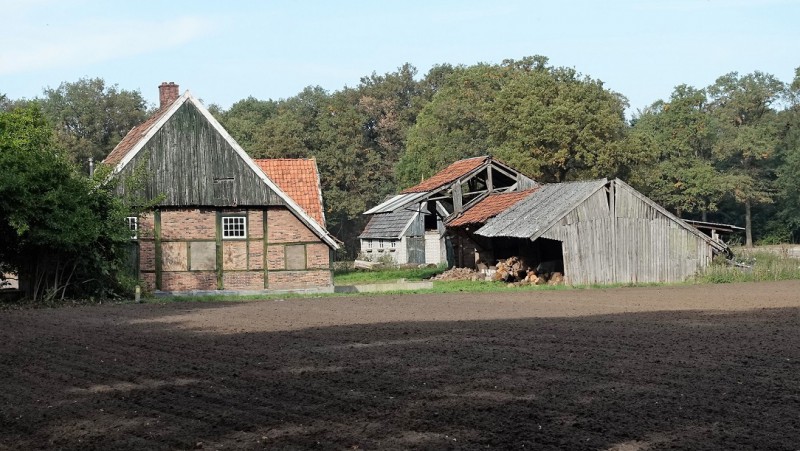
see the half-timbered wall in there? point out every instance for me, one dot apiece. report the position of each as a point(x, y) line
point(182, 249)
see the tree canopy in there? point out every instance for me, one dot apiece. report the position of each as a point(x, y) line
point(61, 230)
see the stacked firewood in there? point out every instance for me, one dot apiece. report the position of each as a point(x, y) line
point(515, 271)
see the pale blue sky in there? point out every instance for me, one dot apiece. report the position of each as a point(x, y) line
point(224, 51)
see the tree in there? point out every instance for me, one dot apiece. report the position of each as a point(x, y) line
point(557, 125)
point(675, 141)
point(551, 123)
point(90, 117)
point(788, 173)
point(454, 125)
point(747, 136)
point(62, 232)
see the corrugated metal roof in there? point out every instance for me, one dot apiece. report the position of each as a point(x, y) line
point(539, 210)
point(395, 202)
point(388, 225)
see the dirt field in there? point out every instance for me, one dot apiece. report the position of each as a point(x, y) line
point(695, 367)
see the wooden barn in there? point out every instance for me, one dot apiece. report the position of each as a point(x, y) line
point(410, 227)
point(599, 231)
point(223, 221)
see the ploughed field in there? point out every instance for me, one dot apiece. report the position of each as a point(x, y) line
point(690, 367)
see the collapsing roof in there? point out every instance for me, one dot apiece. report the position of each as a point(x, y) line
point(448, 175)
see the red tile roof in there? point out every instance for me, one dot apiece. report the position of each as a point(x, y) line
point(132, 138)
point(299, 179)
point(448, 175)
point(490, 207)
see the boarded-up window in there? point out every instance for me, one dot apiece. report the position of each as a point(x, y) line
point(296, 256)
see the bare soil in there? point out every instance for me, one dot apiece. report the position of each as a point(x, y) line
point(690, 367)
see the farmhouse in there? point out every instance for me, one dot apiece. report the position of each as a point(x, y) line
point(410, 227)
point(599, 231)
point(222, 221)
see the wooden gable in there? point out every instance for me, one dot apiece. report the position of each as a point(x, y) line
point(190, 162)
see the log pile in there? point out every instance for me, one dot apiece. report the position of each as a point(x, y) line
point(515, 271)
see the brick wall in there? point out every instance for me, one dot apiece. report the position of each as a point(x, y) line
point(292, 280)
point(243, 280)
point(318, 256)
point(189, 234)
point(188, 224)
point(189, 280)
point(284, 227)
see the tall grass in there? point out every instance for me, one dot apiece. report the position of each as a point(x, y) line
point(755, 266)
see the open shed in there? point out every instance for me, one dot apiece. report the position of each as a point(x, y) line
point(601, 231)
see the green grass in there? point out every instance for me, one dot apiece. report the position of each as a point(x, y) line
point(761, 266)
point(358, 276)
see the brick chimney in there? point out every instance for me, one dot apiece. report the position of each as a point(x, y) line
point(167, 93)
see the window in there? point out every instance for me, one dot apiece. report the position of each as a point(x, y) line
point(234, 227)
point(394, 243)
point(133, 225)
point(380, 244)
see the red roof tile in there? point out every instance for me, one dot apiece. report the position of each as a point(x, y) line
point(132, 138)
point(299, 179)
point(447, 175)
point(490, 207)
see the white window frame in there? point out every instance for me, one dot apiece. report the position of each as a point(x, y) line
point(231, 229)
point(380, 244)
point(133, 224)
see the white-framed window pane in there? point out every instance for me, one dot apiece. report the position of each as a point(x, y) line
point(133, 224)
point(234, 227)
point(380, 244)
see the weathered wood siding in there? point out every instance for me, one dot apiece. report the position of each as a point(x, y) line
point(191, 164)
point(586, 236)
point(622, 239)
point(651, 247)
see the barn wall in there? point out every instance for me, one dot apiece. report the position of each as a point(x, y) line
point(181, 249)
point(636, 244)
point(651, 247)
point(586, 236)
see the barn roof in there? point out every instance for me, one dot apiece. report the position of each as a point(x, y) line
point(448, 175)
point(537, 213)
point(299, 178)
point(489, 207)
point(139, 136)
point(389, 225)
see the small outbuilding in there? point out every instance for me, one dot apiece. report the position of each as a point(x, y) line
point(599, 231)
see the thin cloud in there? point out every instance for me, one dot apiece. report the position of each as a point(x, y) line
point(700, 5)
point(87, 43)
